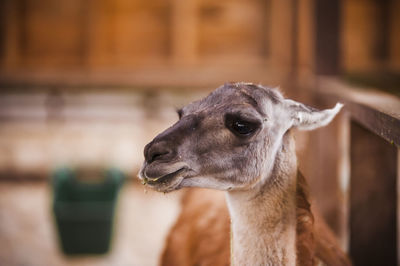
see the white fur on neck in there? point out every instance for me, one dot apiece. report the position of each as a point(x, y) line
point(264, 220)
point(259, 240)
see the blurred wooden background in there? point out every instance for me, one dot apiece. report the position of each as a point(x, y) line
point(235, 37)
point(87, 75)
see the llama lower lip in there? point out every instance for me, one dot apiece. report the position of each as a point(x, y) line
point(165, 179)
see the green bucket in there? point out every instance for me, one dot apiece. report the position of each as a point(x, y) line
point(84, 210)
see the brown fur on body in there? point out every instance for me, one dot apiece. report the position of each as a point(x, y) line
point(201, 235)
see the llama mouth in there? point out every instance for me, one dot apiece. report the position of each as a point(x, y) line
point(165, 183)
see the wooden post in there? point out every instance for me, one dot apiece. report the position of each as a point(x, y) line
point(11, 33)
point(327, 37)
point(394, 52)
point(398, 206)
point(372, 199)
point(90, 41)
point(184, 31)
point(343, 172)
point(305, 45)
point(382, 47)
point(281, 35)
point(3, 25)
point(295, 41)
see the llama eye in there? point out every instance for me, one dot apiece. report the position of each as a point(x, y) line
point(243, 128)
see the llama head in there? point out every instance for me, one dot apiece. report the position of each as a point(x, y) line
point(227, 140)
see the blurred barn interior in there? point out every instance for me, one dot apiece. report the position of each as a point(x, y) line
point(87, 84)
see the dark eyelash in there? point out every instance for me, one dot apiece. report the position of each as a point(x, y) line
point(180, 113)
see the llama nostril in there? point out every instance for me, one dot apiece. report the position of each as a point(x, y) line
point(156, 151)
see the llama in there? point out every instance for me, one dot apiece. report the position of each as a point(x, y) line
point(238, 139)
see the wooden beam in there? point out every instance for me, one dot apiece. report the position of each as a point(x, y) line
point(377, 111)
point(377, 122)
point(327, 37)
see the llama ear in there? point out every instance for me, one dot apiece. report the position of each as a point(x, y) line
point(308, 118)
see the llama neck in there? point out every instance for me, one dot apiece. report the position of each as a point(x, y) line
point(264, 218)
